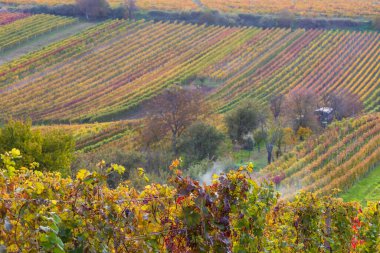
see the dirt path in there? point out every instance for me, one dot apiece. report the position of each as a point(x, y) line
point(43, 40)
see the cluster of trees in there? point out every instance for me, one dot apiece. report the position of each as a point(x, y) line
point(288, 118)
point(89, 9)
point(51, 151)
point(181, 114)
point(179, 123)
point(97, 9)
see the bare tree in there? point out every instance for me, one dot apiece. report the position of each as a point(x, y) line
point(344, 104)
point(173, 112)
point(276, 105)
point(93, 9)
point(300, 108)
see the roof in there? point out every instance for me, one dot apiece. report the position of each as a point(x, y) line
point(325, 110)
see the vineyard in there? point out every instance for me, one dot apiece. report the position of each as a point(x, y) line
point(23, 29)
point(167, 5)
point(345, 153)
point(90, 137)
point(45, 212)
point(71, 80)
point(9, 17)
point(315, 8)
point(336, 8)
point(366, 189)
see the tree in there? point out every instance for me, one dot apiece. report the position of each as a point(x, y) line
point(344, 104)
point(376, 23)
point(53, 150)
point(130, 8)
point(172, 112)
point(260, 136)
point(286, 18)
point(57, 151)
point(304, 132)
point(242, 121)
point(94, 9)
point(276, 105)
point(289, 137)
point(201, 141)
point(300, 108)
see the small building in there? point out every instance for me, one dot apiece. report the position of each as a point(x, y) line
point(325, 115)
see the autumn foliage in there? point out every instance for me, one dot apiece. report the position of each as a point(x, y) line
point(46, 212)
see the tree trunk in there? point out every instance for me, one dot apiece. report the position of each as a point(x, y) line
point(269, 147)
point(174, 144)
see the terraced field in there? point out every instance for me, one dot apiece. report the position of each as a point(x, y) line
point(335, 160)
point(117, 65)
point(19, 28)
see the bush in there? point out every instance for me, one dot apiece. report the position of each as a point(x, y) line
point(52, 151)
point(201, 142)
point(242, 121)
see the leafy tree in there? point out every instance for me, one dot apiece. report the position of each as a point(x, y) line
point(260, 136)
point(242, 121)
point(289, 137)
point(57, 151)
point(18, 134)
point(286, 18)
point(201, 141)
point(172, 112)
point(376, 23)
point(94, 9)
point(53, 150)
point(304, 132)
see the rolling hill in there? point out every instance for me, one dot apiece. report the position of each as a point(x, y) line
point(337, 159)
point(315, 8)
point(115, 66)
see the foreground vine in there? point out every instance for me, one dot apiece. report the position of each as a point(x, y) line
point(43, 212)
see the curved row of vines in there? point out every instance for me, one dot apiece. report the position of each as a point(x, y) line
point(345, 153)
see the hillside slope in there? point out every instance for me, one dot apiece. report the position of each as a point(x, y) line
point(116, 65)
point(21, 30)
point(337, 159)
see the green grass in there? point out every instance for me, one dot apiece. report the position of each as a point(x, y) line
point(367, 189)
point(259, 159)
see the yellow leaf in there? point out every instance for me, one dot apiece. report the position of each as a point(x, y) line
point(82, 174)
point(39, 187)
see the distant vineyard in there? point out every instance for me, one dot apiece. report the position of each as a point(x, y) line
point(8, 17)
point(117, 65)
point(336, 8)
point(277, 61)
point(335, 160)
point(23, 29)
point(90, 137)
point(168, 5)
